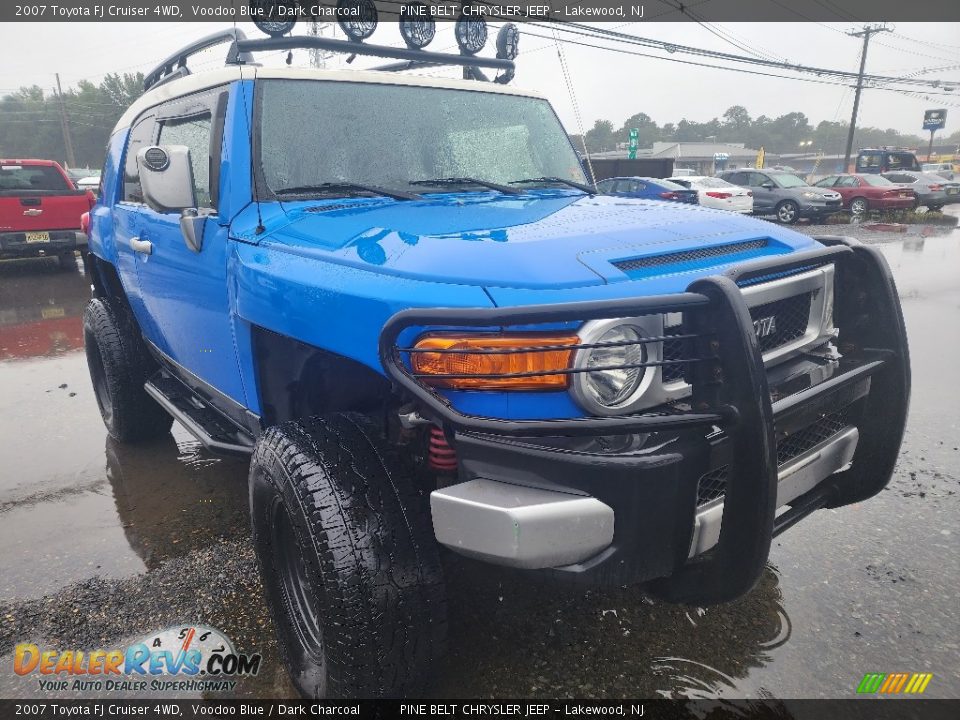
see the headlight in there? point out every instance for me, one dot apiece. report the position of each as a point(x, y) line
point(614, 382)
point(812, 195)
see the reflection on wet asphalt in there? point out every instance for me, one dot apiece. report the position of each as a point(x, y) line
point(100, 543)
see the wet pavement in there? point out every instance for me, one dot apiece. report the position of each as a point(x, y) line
point(100, 543)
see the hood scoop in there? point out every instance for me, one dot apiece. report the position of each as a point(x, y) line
point(689, 256)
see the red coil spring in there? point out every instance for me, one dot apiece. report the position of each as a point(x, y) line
point(441, 456)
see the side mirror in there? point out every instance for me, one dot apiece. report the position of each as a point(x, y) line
point(768, 185)
point(166, 177)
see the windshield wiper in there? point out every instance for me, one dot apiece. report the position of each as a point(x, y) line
point(505, 189)
point(333, 186)
point(558, 180)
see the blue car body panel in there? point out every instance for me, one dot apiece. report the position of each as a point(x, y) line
point(330, 272)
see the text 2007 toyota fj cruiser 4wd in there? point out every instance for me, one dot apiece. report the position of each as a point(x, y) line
point(400, 296)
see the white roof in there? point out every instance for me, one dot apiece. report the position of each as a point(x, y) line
point(201, 81)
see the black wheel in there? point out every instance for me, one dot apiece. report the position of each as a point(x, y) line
point(67, 260)
point(934, 208)
point(858, 207)
point(787, 212)
point(119, 365)
point(348, 559)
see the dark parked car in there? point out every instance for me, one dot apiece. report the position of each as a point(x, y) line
point(861, 193)
point(648, 189)
point(931, 190)
point(785, 195)
point(874, 161)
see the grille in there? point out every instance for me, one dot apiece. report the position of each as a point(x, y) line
point(672, 350)
point(790, 317)
point(826, 427)
point(689, 255)
point(712, 485)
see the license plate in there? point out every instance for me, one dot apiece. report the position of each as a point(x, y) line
point(952, 191)
point(904, 195)
point(38, 237)
point(49, 313)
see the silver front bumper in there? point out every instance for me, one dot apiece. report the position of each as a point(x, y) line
point(520, 526)
point(797, 477)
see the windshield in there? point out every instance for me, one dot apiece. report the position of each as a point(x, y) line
point(397, 136)
point(875, 180)
point(787, 181)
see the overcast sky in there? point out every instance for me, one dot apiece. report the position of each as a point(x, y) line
point(606, 84)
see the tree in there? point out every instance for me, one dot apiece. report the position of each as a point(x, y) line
point(30, 119)
point(601, 137)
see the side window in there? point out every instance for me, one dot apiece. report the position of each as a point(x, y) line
point(757, 179)
point(827, 181)
point(848, 181)
point(195, 133)
point(141, 135)
point(869, 160)
point(738, 178)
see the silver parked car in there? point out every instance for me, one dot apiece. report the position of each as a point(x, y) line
point(932, 191)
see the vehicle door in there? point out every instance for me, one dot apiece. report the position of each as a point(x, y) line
point(765, 196)
point(629, 188)
point(848, 187)
point(184, 290)
point(128, 216)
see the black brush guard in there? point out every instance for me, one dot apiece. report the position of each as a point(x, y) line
point(724, 365)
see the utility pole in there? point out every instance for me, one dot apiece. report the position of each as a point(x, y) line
point(65, 126)
point(867, 31)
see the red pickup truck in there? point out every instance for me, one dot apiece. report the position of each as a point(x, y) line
point(41, 211)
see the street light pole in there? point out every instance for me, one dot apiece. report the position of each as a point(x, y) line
point(866, 33)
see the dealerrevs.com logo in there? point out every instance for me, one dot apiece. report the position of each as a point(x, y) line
point(186, 658)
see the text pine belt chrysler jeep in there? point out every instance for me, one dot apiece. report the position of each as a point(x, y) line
point(402, 299)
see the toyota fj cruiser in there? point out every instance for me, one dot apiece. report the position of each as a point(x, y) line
point(399, 297)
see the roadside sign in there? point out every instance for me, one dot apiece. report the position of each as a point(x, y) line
point(760, 157)
point(632, 147)
point(934, 119)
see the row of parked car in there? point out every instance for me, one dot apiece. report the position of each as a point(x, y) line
point(789, 197)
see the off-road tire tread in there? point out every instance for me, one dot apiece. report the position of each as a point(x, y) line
point(374, 555)
point(127, 365)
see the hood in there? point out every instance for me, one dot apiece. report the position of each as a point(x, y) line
point(820, 192)
point(537, 240)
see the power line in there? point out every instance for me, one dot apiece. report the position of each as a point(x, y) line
point(597, 33)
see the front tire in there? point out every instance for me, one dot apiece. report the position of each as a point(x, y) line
point(119, 365)
point(858, 207)
point(787, 212)
point(348, 560)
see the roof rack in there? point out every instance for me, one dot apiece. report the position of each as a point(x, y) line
point(175, 66)
point(242, 49)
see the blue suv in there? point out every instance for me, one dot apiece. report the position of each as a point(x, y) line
point(399, 297)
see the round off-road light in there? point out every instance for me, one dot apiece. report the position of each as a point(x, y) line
point(357, 18)
point(156, 159)
point(267, 17)
point(418, 27)
point(615, 381)
point(508, 42)
point(471, 34)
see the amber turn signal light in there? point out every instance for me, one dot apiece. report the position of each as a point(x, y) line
point(494, 362)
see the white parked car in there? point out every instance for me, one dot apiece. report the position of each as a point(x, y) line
point(91, 182)
point(716, 193)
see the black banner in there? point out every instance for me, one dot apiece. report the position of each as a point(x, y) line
point(854, 709)
point(848, 11)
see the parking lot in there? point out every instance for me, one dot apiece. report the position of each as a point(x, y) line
point(100, 542)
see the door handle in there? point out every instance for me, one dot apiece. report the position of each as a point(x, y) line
point(141, 246)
